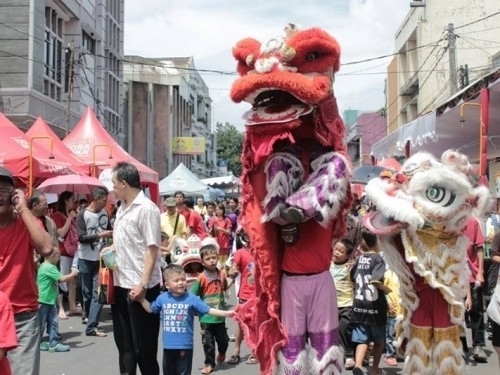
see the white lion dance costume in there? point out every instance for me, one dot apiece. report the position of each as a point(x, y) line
point(186, 253)
point(419, 218)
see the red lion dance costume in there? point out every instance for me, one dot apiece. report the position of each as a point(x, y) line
point(420, 216)
point(295, 190)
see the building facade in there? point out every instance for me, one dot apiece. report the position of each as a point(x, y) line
point(441, 46)
point(58, 57)
point(166, 99)
point(363, 131)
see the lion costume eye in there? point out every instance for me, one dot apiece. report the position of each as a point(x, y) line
point(440, 195)
point(312, 56)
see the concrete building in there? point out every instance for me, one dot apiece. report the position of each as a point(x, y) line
point(57, 57)
point(440, 46)
point(367, 129)
point(166, 98)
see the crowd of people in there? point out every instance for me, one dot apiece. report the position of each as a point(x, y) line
point(46, 257)
point(51, 260)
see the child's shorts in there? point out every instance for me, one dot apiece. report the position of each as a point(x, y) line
point(365, 334)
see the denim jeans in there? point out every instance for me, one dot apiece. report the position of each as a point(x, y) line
point(25, 359)
point(89, 277)
point(390, 337)
point(47, 317)
point(177, 361)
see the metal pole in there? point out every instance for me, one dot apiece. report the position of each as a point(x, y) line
point(70, 86)
point(453, 58)
point(170, 132)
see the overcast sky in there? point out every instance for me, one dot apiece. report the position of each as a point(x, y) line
point(208, 29)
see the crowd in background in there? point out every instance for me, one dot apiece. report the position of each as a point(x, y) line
point(60, 244)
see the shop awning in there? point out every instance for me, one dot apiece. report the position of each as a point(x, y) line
point(444, 128)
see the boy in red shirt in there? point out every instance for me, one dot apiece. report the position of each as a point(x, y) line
point(210, 287)
point(244, 264)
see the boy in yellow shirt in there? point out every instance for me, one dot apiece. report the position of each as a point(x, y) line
point(340, 269)
point(393, 308)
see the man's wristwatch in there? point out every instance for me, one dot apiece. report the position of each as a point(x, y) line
point(144, 285)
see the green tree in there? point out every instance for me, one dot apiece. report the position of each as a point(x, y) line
point(229, 146)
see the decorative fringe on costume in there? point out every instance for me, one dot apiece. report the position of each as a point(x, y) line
point(409, 298)
point(298, 367)
point(447, 355)
point(324, 190)
point(434, 351)
point(419, 351)
point(284, 174)
point(332, 362)
point(307, 363)
point(448, 268)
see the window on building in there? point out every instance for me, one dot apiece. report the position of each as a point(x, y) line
point(88, 43)
point(53, 54)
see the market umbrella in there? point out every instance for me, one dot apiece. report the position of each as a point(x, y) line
point(390, 163)
point(77, 184)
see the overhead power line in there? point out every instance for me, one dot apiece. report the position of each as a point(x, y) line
point(478, 20)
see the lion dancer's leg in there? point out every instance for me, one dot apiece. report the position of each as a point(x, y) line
point(447, 355)
point(418, 350)
point(434, 346)
point(323, 191)
point(284, 174)
point(309, 310)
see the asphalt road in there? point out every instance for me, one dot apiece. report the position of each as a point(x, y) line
point(96, 356)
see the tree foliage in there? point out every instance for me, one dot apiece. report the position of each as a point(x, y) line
point(229, 146)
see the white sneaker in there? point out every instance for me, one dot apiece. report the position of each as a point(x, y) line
point(349, 364)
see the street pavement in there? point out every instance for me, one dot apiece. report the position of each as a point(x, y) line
point(96, 356)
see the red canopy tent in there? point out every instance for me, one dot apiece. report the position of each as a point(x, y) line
point(40, 129)
point(90, 142)
point(18, 153)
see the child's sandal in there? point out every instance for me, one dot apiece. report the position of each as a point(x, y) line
point(207, 370)
point(234, 360)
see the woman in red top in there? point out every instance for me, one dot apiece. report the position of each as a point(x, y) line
point(65, 219)
point(220, 227)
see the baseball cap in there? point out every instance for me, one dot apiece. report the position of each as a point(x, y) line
point(170, 202)
point(6, 175)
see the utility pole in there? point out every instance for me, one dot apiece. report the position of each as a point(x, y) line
point(70, 85)
point(453, 58)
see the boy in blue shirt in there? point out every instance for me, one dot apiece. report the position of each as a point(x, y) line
point(177, 308)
